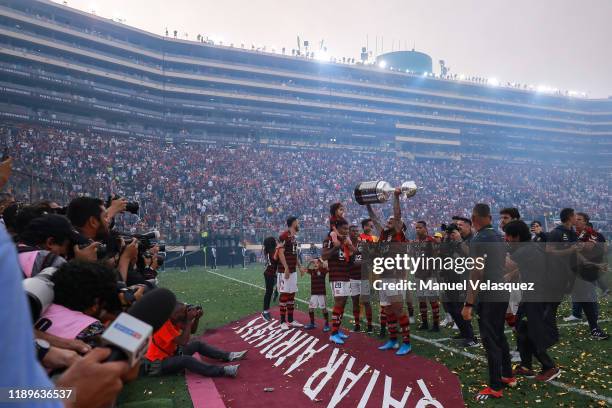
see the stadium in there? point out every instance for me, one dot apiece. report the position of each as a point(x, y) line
point(219, 145)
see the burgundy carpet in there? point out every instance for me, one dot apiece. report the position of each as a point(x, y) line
point(298, 368)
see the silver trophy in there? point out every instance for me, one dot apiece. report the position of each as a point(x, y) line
point(376, 192)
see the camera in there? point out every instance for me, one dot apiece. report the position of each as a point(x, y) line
point(146, 241)
point(131, 206)
point(82, 242)
point(449, 228)
point(102, 249)
point(128, 293)
point(193, 307)
point(160, 257)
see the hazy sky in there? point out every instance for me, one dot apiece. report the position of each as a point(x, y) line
point(565, 44)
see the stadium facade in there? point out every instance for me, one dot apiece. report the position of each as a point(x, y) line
point(63, 67)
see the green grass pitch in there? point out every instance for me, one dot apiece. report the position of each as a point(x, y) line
point(586, 363)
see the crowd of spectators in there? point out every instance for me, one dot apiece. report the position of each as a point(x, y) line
point(185, 188)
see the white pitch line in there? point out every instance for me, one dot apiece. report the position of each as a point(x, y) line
point(438, 344)
point(559, 325)
point(571, 324)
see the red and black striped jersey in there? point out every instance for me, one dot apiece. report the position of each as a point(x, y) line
point(271, 263)
point(289, 243)
point(355, 262)
point(422, 247)
point(337, 263)
point(317, 281)
point(355, 265)
point(386, 236)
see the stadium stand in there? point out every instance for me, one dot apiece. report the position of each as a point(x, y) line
point(217, 121)
point(185, 187)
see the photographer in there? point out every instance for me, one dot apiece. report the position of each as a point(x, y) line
point(45, 242)
point(95, 383)
point(84, 292)
point(465, 229)
point(140, 259)
point(88, 215)
point(170, 350)
point(18, 215)
point(128, 258)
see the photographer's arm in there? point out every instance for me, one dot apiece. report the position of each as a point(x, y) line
point(58, 358)
point(194, 325)
point(88, 254)
point(183, 338)
point(128, 256)
point(117, 206)
point(70, 344)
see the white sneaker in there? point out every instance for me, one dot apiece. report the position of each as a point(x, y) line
point(447, 320)
point(515, 356)
point(296, 324)
point(284, 326)
point(571, 318)
point(411, 319)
